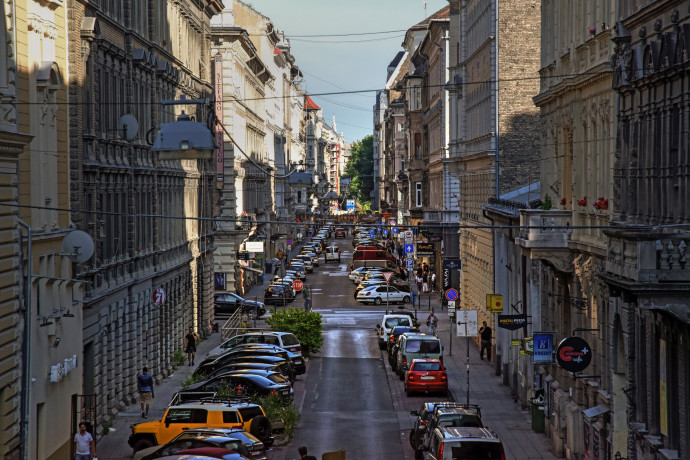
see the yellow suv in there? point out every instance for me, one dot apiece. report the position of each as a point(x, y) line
point(214, 414)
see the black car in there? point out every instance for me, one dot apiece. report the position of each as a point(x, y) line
point(254, 445)
point(277, 294)
point(229, 302)
point(296, 359)
point(232, 444)
point(244, 384)
point(247, 366)
point(218, 362)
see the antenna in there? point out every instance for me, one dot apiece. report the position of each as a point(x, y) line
point(78, 246)
point(128, 126)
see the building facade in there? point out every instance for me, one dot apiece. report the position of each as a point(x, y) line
point(145, 215)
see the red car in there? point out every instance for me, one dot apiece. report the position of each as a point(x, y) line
point(340, 233)
point(426, 375)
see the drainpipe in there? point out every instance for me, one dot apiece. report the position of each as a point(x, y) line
point(497, 85)
point(27, 344)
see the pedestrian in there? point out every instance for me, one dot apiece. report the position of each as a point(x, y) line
point(425, 282)
point(485, 333)
point(84, 446)
point(419, 271)
point(419, 284)
point(432, 322)
point(190, 340)
point(279, 254)
point(433, 282)
point(303, 453)
point(145, 387)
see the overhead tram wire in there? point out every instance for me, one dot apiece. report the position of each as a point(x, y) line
point(240, 220)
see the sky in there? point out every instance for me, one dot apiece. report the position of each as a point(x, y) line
point(345, 63)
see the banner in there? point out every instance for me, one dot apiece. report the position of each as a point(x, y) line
point(512, 322)
point(218, 95)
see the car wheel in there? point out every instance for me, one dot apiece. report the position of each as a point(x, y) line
point(143, 444)
point(261, 428)
point(406, 299)
point(377, 301)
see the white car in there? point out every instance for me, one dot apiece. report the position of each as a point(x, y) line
point(314, 258)
point(359, 277)
point(378, 295)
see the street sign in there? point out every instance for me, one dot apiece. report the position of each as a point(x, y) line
point(394, 230)
point(387, 276)
point(385, 232)
point(452, 264)
point(158, 296)
point(512, 322)
point(543, 348)
point(467, 323)
point(451, 304)
point(298, 285)
point(573, 354)
point(494, 303)
point(350, 205)
point(409, 235)
point(409, 248)
point(529, 345)
point(410, 263)
point(289, 242)
point(372, 233)
point(451, 294)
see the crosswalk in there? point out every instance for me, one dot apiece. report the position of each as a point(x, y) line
point(349, 317)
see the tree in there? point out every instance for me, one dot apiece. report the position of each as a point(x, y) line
point(360, 167)
point(306, 325)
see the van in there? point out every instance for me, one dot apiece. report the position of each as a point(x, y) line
point(416, 346)
point(388, 322)
point(332, 253)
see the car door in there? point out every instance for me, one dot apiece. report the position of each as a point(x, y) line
point(181, 419)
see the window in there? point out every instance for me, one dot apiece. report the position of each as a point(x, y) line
point(418, 194)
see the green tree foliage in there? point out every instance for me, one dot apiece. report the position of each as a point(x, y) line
point(306, 325)
point(360, 167)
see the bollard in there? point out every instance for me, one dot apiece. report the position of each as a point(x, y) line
point(429, 309)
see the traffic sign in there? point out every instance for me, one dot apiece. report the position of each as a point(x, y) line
point(372, 233)
point(409, 248)
point(387, 275)
point(451, 294)
point(158, 296)
point(451, 304)
point(385, 232)
point(289, 241)
point(467, 323)
point(410, 263)
point(298, 285)
point(409, 235)
point(394, 230)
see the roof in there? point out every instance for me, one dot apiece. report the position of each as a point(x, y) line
point(476, 433)
point(309, 104)
point(396, 59)
point(443, 13)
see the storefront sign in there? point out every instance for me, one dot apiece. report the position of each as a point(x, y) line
point(573, 354)
point(254, 246)
point(543, 348)
point(494, 303)
point(512, 322)
point(218, 95)
point(452, 264)
point(425, 249)
point(446, 279)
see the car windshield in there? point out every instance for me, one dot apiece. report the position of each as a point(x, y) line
point(427, 366)
point(476, 450)
point(422, 346)
point(392, 322)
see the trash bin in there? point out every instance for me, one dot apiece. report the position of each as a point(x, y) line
point(537, 417)
point(269, 267)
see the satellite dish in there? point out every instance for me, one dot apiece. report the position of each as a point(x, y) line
point(78, 245)
point(128, 126)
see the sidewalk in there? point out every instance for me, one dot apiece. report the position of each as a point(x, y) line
point(114, 444)
point(499, 411)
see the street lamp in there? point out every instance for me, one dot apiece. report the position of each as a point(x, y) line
point(184, 139)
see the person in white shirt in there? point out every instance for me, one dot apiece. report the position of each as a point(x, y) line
point(83, 444)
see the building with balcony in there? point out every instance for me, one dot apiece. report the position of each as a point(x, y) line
point(143, 211)
point(645, 269)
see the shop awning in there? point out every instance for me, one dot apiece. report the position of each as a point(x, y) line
point(250, 269)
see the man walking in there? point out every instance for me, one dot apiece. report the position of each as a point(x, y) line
point(485, 333)
point(190, 340)
point(303, 453)
point(83, 444)
point(145, 387)
point(432, 322)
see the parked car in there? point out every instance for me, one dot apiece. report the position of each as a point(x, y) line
point(332, 254)
point(426, 375)
point(283, 340)
point(177, 418)
point(424, 415)
point(276, 294)
point(298, 268)
point(416, 346)
point(308, 264)
point(246, 366)
point(243, 383)
point(381, 294)
point(444, 416)
point(314, 258)
point(254, 445)
point(213, 364)
point(388, 322)
point(183, 445)
point(393, 337)
point(465, 443)
point(296, 359)
point(287, 283)
point(356, 275)
point(229, 302)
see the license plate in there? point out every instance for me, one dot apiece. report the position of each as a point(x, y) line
point(428, 377)
point(299, 361)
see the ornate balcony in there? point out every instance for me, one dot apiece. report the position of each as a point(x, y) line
point(546, 235)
